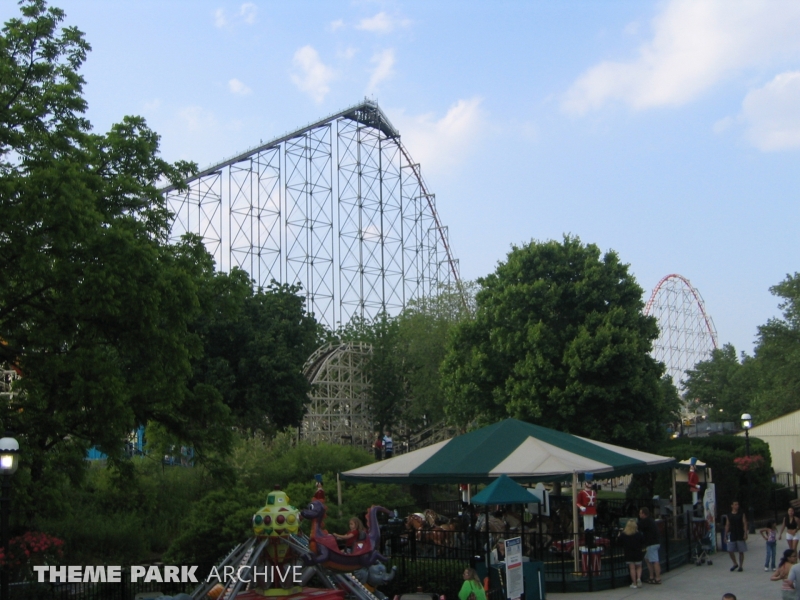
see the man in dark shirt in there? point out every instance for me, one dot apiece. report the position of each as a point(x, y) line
point(736, 534)
point(647, 525)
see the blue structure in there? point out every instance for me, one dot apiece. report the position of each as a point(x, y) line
point(134, 446)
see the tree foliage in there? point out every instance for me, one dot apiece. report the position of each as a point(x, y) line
point(93, 303)
point(424, 329)
point(767, 384)
point(719, 452)
point(110, 325)
point(722, 384)
point(407, 353)
point(559, 339)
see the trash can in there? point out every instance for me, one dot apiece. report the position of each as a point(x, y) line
point(533, 574)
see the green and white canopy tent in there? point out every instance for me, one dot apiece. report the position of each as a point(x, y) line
point(525, 452)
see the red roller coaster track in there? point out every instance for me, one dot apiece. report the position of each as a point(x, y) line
point(687, 332)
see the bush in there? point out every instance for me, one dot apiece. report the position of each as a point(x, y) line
point(719, 453)
point(213, 526)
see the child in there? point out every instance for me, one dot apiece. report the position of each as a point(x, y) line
point(357, 533)
point(770, 534)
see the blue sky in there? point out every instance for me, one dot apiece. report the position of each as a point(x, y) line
point(665, 131)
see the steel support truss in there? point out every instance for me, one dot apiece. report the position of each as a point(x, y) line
point(338, 207)
point(686, 332)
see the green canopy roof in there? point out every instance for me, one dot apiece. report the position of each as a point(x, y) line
point(523, 451)
point(504, 490)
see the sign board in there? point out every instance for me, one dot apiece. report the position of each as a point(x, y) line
point(543, 507)
point(514, 578)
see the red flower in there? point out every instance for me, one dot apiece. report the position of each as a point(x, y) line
point(748, 463)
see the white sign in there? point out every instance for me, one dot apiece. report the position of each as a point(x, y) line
point(514, 580)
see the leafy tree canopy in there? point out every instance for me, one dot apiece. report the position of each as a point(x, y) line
point(407, 352)
point(109, 324)
point(767, 384)
point(559, 339)
point(93, 303)
point(722, 384)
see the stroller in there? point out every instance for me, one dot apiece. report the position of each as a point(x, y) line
point(702, 544)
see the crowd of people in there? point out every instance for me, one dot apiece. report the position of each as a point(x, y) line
point(640, 543)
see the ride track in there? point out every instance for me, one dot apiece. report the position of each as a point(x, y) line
point(687, 333)
point(338, 206)
point(341, 208)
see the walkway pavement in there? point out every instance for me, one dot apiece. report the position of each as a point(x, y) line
point(704, 582)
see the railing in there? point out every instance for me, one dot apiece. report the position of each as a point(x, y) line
point(125, 589)
point(433, 560)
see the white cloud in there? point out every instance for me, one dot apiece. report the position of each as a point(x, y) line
point(153, 105)
point(382, 23)
point(384, 63)
point(348, 53)
point(314, 76)
point(631, 28)
point(439, 145)
point(772, 113)
point(722, 125)
point(196, 118)
point(237, 87)
point(335, 25)
point(247, 12)
point(694, 46)
point(219, 18)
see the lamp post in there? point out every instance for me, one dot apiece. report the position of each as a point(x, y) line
point(747, 424)
point(9, 460)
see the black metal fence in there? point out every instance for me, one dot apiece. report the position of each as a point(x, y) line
point(124, 590)
point(433, 559)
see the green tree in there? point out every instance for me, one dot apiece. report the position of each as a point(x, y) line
point(559, 339)
point(384, 370)
point(255, 344)
point(777, 356)
point(722, 384)
point(767, 384)
point(424, 328)
point(93, 302)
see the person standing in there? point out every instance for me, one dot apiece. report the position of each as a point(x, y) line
point(736, 534)
point(790, 526)
point(652, 541)
point(770, 535)
point(632, 543)
point(388, 446)
point(377, 446)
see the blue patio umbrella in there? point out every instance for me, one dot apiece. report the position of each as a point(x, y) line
point(503, 490)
